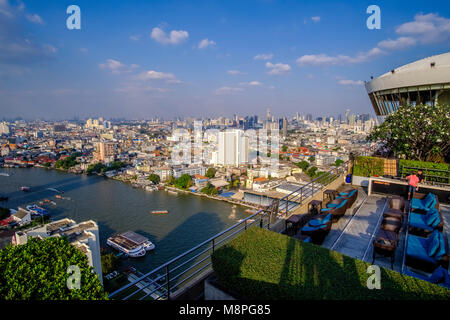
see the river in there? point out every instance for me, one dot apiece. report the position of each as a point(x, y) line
point(117, 207)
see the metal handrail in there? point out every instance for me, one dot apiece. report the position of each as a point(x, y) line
point(315, 185)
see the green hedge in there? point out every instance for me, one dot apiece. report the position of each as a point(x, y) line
point(429, 170)
point(260, 264)
point(368, 166)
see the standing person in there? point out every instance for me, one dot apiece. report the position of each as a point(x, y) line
point(413, 184)
point(421, 177)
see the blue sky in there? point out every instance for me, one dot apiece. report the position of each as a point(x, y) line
point(141, 59)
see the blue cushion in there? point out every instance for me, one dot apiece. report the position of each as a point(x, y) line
point(439, 275)
point(432, 218)
point(308, 240)
point(320, 222)
point(332, 205)
point(340, 198)
point(433, 243)
point(417, 248)
point(343, 203)
point(441, 250)
point(343, 194)
point(417, 220)
point(326, 209)
point(352, 193)
point(429, 199)
point(417, 204)
point(309, 228)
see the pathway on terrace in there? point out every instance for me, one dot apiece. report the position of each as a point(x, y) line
point(356, 237)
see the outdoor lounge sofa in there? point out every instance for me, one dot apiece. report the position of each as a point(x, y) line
point(427, 254)
point(350, 195)
point(396, 208)
point(424, 224)
point(336, 211)
point(318, 228)
point(440, 276)
point(422, 203)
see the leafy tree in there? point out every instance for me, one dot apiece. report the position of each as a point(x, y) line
point(211, 172)
point(311, 172)
point(338, 162)
point(209, 189)
point(416, 133)
point(184, 182)
point(312, 159)
point(109, 262)
point(4, 213)
point(303, 165)
point(115, 165)
point(154, 178)
point(37, 270)
point(67, 162)
point(284, 148)
point(96, 168)
point(171, 180)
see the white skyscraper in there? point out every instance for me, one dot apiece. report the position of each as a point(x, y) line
point(233, 148)
point(4, 128)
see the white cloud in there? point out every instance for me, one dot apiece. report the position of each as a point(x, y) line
point(263, 56)
point(346, 82)
point(251, 83)
point(35, 18)
point(399, 43)
point(323, 59)
point(156, 75)
point(205, 43)
point(117, 67)
point(175, 36)
point(236, 72)
point(315, 19)
point(278, 68)
point(227, 90)
point(427, 28)
point(136, 37)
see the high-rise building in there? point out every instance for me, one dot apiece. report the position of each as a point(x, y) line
point(285, 125)
point(4, 128)
point(105, 151)
point(233, 148)
point(269, 116)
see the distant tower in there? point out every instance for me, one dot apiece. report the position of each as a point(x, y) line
point(269, 117)
point(285, 124)
point(347, 112)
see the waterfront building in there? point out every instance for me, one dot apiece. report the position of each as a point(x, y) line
point(83, 235)
point(426, 81)
point(105, 151)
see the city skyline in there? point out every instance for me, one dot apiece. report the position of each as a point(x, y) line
point(207, 59)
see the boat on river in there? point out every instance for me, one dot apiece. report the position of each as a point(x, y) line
point(160, 212)
point(131, 244)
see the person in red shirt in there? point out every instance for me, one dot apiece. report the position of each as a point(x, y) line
point(413, 184)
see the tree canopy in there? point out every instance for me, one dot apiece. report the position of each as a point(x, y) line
point(183, 182)
point(37, 270)
point(416, 133)
point(4, 213)
point(154, 178)
point(211, 172)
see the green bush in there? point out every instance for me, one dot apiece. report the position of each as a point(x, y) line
point(368, 166)
point(264, 265)
point(430, 169)
point(37, 270)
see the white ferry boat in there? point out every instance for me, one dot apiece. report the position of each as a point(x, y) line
point(131, 244)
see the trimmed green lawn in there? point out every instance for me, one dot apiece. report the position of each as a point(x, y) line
point(261, 264)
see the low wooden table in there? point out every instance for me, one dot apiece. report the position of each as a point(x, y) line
point(294, 220)
point(314, 204)
point(330, 194)
point(391, 224)
point(385, 244)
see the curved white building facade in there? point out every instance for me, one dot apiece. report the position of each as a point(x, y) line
point(423, 81)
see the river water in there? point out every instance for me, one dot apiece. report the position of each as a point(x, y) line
point(117, 207)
